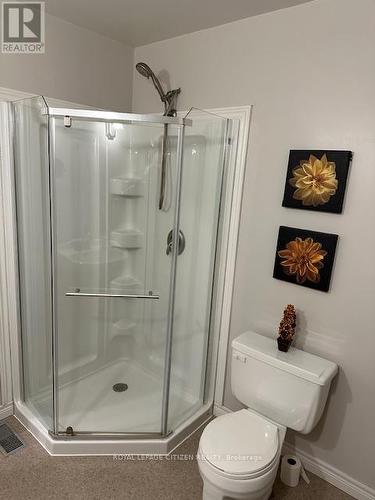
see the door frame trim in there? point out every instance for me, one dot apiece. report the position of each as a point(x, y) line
point(8, 295)
point(10, 342)
point(229, 244)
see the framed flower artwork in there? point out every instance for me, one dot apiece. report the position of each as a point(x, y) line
point(316, 180)
point(305, 257)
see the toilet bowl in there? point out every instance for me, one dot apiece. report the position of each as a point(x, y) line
point(238, 456)
point(239, 452)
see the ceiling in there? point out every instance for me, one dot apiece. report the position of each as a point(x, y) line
point(139, 22)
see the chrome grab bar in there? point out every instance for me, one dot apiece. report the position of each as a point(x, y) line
point(109, 295)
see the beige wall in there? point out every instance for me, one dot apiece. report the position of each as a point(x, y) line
point(310, 73)
point(78, 66)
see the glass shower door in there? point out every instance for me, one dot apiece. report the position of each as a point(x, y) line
point(112, 272)
point(204, 153)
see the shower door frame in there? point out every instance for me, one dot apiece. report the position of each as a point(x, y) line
point(69, 114)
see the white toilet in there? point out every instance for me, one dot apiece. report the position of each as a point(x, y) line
point(239, 452)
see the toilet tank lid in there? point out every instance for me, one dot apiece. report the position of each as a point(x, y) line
point(300, 363)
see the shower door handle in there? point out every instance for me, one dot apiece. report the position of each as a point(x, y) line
point(180, 245)
point(112, 295)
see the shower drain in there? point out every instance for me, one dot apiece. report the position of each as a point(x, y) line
point(120, 387)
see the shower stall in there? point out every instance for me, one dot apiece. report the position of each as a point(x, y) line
point(116, 290)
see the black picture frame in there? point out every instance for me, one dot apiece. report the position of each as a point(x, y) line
point(289, 265)
point(319, 194)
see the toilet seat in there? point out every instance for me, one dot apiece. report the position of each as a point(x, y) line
point(240, 445)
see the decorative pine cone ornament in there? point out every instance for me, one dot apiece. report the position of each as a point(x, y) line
point(287, 328)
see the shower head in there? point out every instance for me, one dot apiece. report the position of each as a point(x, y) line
point(169, 99)
point(145, 70)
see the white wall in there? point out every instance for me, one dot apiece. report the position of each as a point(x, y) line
point(310, 73)
point(78, 65)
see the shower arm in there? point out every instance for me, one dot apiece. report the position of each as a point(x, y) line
point(170, 101)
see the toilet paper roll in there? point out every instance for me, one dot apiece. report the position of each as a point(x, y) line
point(291, 470)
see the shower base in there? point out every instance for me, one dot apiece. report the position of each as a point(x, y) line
point(91, 405)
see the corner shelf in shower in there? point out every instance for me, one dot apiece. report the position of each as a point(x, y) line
point(122, 328)
point(83, 252)
point(127, 238)
point(131, 187)
point(127, 284)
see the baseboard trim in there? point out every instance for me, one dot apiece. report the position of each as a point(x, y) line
point(220, 410)
point(321, 469)
point(332, 475)
point(6, 411)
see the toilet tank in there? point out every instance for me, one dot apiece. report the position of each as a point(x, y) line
point(290, 388)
